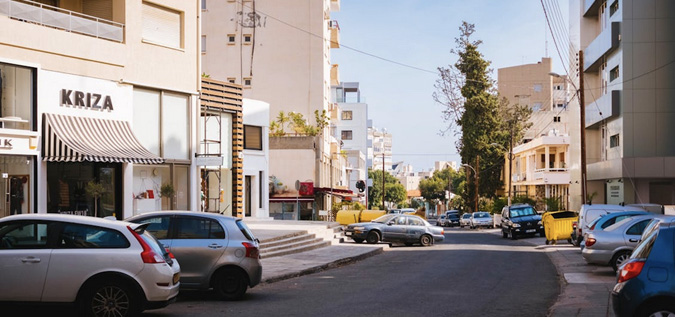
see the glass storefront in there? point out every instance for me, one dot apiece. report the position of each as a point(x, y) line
point(15, 185)
point(73, 188)
point(151, 186)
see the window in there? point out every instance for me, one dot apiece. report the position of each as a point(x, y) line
point(637, 228)
point(613, 8)
point(347, 134)
point(17, 85)
point(23, 235)
point(198, 228)
point(252, 138)
point(556, 119)
point(401, 221)
point(162, 25)
point(203, 43)
point(248, 38)
point(247, 82)
point(537, 87)
point(77, 236)
point(415, 222)
point(347, 115)
point(614, 73)
point(614, 141)
point(231, 38)
point(231, 80)
point(158, 226)
point(155, 109)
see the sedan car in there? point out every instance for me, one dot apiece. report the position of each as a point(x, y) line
point(452, 218)
point(480, 219)
point(106, 267)
point(607, 220)
point(646, 282)
point(399, 228)
point(614, 245)
point(465, 220)
point(216, 252)
point(440, 221)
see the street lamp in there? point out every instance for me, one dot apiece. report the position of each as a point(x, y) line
point(582, 125)
point(475, 206)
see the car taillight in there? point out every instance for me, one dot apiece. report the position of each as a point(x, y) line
point(590, 242)
point(148, 255)
point(251, 250)
point(630, 270)
point(169, 253)
point(574, 224)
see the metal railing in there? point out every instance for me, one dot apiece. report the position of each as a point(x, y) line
point(42, 14)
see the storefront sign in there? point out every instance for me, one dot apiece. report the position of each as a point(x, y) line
point(615, 192)
point(209, 161)
point(6, 143)
point(74, 98)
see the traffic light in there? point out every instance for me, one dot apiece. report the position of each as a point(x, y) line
point(361, 185)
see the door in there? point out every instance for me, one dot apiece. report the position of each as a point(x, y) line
point(247, 207)
point(634, 233)
point(396, 229)
point(197, 243)
point(415, 229)
point(24, 259)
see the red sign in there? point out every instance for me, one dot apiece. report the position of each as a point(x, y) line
point(306, 188)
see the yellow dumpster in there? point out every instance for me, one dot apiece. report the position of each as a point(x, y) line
point(345, 217)
point(558, 225)
point(368, 215)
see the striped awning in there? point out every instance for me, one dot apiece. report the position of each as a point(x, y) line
point(77, 139)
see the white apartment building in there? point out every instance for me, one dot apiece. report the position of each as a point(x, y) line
point(89, 91)
point(352, 129)
point(256, 158)
point(628, 54)
point(280, 53)
point(381, 155)
point(539, 164)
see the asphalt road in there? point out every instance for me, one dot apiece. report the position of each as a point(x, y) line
point(471, 273)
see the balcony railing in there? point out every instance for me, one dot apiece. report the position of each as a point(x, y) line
point(33, 12)
point(602, 45)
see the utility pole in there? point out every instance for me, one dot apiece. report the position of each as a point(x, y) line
point(476, 171)
point(510, 160)
point(582, 116)
point(383, 208)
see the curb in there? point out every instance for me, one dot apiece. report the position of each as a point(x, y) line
point(322, 267)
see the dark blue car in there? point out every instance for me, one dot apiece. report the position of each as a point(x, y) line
point(646, 282)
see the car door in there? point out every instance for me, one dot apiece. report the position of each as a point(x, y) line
point(415, 229)
point(197, 243)
point(396, 229)
point(24, 259)
point(634, 232)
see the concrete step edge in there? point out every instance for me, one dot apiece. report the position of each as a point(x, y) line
point(291, 245)
point(285, 236)
point(292, 239)
point(320, 244)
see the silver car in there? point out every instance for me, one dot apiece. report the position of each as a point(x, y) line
point(407, 229)
point(465, 220)
point(106, 267)
point(481, 219)
point(614, 245)
point(215, 251)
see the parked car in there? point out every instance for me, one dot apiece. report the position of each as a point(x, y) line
point(607, 220)
point(614, 245)
point(520, 219)
point(216, 252)
point(452, 218)
point(399, 228)
point(105, 267)
point(465, 220)
point(646, 282)
point(440, 221)
point(588, 213)
point(481, 219)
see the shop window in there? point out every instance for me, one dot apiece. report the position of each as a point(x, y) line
point(252, 138)
point(17, 86)
point(161, 25)
point(68, 188)
point(614, 141)
point(167, 135)
point(347, 115)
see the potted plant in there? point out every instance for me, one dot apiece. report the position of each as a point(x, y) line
point(167, 191)
point(95, 190)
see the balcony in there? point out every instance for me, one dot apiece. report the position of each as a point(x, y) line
point(334, 28)
point(33, 12)
point(591, 7)
point(605, 107)
point(602, 45)
point(551, 176)
point(335, 5)
point(334, 75)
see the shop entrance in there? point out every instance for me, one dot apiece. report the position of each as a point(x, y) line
point(15, 185)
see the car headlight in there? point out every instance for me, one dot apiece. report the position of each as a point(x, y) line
point(539, 223)
point(359, 228)
point(515, 225)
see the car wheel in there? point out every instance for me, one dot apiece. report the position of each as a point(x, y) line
point(504, 234)
point(512, 235)
point(661, 308)
point(619, 259)
point(230, 284)
point(426, 240)
point(109, 297)
point(357, 240)
point(373, 237)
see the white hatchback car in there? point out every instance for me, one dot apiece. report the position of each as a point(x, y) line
point(105, 267)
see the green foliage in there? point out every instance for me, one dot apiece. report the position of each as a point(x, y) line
point(205, 75)
point(498, 204)
point(94, 189)
point(416, 203)
point(297, 123)
point(433, 189)
point(553, 204)
point(589, 197)
point(167, 190)
point(394, 191)
point(523, 200)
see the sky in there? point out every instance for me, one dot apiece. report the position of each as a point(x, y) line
point(421, 33)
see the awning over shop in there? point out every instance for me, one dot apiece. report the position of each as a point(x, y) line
point(77, 139)
point(290, 197)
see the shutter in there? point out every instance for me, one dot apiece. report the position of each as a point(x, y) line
point(252, 137)
point(102, 9)
point(161, 25)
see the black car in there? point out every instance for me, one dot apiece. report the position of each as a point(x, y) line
point(520, 220)
point(452, 218)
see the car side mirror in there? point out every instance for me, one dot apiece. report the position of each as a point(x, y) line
point(390, 223)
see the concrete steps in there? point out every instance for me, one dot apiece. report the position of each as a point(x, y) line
point(288, 238)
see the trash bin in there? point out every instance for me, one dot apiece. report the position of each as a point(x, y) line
point(558, 225)
point(346, 217)
point(368, 215)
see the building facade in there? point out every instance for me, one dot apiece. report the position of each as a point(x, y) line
point(85, 126)
point(381, 154)
point(628, 52)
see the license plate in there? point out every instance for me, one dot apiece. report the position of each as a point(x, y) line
point(348, 233)
point(176, 278)
point(531, 230)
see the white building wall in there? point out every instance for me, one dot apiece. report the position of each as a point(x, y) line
point(256, 163)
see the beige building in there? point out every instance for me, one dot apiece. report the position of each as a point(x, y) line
point(540, 166)
point(628, 54)
point(89, 89)
point(280, 53)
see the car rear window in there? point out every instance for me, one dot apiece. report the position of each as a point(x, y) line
point(76, 236)
point(245, 230)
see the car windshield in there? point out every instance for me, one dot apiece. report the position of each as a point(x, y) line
point(481, 215)
point(466, 216)
point(524, 211)
point(384, 219)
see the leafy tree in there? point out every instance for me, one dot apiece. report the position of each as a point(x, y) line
point(434, 188)
point(394, 191)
